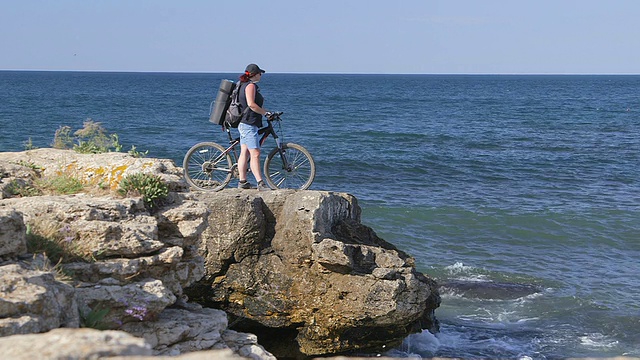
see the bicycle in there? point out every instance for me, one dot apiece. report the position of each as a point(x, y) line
point(209, 166)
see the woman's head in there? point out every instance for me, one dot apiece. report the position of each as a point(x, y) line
point(251, 72)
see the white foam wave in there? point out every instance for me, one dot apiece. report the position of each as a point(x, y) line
point(458, 267)
point(417, 346)
point(528, 298)
point(465, 273)
point(451, 342)
point(597, 340)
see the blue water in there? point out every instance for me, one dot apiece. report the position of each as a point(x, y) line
point(523, 190)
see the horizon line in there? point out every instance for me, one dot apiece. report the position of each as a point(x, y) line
point(307, 73)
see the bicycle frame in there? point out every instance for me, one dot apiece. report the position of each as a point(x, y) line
point(265, 132)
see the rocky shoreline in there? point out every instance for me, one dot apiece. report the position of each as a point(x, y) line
point(199, 275)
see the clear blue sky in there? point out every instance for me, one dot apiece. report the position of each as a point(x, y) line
point(326, 36)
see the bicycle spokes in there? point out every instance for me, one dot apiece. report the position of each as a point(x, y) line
point(293, 169)
point(207, 166)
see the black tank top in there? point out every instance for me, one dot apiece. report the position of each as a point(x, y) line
point(251, 117)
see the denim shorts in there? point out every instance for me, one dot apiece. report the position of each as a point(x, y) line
point(249, 136)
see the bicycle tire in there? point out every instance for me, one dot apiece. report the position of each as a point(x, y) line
point(301, 172)
point(206, 167)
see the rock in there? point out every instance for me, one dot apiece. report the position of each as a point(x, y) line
point(297, 268)
point(12, 233)
point(33, 301)
point(135, 265)
point(200, 355)
point(169, 265)
point(289, 260)
point(104, 226)
point(236, 225)
point(246, 345)
point(179, 331)
point(135, 302)
point(488, 289)
point(15, 173)
point(73, 344)
point(181, 222)
point(106, 169)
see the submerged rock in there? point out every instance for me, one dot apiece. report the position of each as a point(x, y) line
point(488, 289)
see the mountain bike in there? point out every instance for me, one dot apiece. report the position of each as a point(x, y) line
point(210, 166)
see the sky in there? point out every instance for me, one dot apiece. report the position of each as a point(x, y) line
point(326, 36)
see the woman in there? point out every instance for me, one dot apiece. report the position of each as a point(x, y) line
point(251, 121)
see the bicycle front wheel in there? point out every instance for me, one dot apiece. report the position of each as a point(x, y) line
point(295, 171)
point(207, 167)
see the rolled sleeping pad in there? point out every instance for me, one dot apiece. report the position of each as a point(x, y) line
point(222, 101)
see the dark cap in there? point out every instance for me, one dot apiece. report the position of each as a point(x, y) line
point(254, 69)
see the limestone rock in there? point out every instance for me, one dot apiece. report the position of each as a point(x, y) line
point(73, 344)
point(181, 222)
point(104, 169)
point(15, 173)
point(134, 302)
point(236, 227)
point(104, 226)
point(295, 267)
point(34, 301)
point(225, 354)
point(12, 233)
point(179, 331)
point(169, 265)
point(302, 261)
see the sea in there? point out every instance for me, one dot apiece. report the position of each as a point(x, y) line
point(519, 194)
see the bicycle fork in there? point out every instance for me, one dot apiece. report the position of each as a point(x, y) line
point(283, 155)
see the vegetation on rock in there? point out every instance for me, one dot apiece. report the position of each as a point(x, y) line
point(151, 187)
point(91, 139)
point(57, 241)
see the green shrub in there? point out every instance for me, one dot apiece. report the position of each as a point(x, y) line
point(151, 187)
point(135, 153)
point(84, 147)
point(95, 319)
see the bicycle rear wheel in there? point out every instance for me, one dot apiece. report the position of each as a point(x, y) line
point(207, 167)
point(299, 173)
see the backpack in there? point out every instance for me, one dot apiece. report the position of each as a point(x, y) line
point(235, 112)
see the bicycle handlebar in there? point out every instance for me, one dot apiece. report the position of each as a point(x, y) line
point(275, 116)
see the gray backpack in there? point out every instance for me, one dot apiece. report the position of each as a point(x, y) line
point(235, 113)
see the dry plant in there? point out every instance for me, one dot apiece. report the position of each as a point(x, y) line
point(57, 240)
point(41, 262)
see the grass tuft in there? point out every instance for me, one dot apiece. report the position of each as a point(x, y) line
point(63, 184)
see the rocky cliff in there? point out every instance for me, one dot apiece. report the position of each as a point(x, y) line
point(297, 268)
